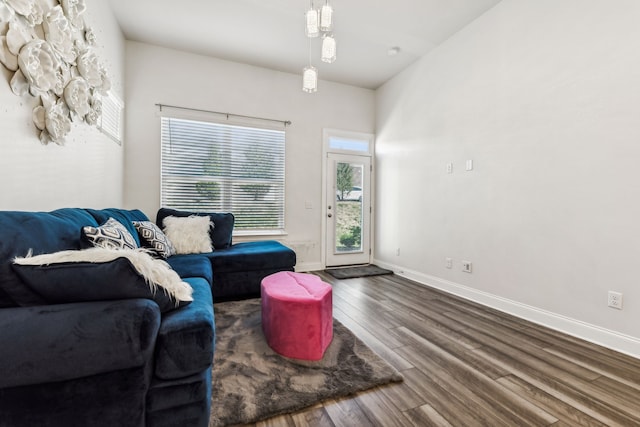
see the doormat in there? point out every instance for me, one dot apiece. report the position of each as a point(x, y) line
point(359, 271)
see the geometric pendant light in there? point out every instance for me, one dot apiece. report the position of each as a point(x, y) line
point(310, 79)
point(326, 17)
point(328, 48)
point(312, 28)
point(318, 21)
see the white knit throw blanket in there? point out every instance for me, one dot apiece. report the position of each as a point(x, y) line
point(156, 272)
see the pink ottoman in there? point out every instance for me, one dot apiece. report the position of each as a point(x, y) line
point(297, 317)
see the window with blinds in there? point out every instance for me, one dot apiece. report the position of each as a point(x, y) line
point(214, 167)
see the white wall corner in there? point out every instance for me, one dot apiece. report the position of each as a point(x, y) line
point(616, 341)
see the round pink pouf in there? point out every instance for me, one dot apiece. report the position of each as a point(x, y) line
point(297, 315)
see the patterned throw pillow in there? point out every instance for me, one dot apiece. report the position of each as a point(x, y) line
point(110, 235)
point(155, 238)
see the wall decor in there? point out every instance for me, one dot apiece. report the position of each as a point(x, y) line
point(49, 49)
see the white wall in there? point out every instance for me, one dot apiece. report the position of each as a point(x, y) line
point(88, 170)
point(160, 75)
point(544, 96)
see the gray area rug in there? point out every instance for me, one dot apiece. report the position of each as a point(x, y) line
point(359, 271)
point(251, 382)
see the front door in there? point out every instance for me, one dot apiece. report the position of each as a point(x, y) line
point(348, 210)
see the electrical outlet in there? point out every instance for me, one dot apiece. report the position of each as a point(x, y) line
point(466, 266)
point(449, 167)
point(615, 300)
point(448, 262)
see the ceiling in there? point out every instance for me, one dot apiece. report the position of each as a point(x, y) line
point(270, 33)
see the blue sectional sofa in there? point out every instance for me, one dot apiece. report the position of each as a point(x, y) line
point(121, 361)
point(237, 268)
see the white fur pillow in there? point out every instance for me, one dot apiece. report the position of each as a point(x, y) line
point(189, 235)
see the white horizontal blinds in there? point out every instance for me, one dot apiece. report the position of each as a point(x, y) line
point(224, 168)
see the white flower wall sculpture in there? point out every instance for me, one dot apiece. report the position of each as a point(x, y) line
point(73, 9)
point(39, 66)
point(50, 50)
point(59, 32)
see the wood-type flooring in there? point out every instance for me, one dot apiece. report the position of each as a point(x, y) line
point(468, 365)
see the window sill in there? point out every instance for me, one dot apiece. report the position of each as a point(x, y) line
point(252, 234)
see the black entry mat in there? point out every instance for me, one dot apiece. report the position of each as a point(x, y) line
point(359, 271)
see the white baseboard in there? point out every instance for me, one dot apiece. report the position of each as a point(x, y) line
point(309, 266)
point(616, 341)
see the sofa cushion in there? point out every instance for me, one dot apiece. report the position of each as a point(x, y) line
point(111, 234)
point(123, 216)
point(192, 265)
point(42, 232)
point(186, 338)
point(221, 234)
point(95, 281)
point(248, 256)
point(189, 235)
point(153, 238)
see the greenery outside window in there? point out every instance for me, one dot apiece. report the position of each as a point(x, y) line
point(219, 167)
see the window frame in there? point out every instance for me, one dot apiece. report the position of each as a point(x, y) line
point(236, 121)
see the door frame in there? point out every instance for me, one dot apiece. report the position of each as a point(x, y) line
point(327, 134)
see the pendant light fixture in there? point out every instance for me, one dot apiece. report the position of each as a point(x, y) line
point(317, 22)
point(326, 17)
point(328, 48)
point(310, 79)
point(310, 76)
point(312, 28)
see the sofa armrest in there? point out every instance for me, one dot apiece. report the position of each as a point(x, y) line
point(186, 340)
point(50, 343)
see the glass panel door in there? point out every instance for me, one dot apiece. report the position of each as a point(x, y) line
point(348, 210)
point(348, 202)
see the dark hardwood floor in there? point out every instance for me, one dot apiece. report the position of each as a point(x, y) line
point(468, 365)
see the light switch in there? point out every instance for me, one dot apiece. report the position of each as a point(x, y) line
point(469, 165)
point(308, 205)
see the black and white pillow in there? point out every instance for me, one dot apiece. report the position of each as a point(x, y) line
point(110, 235)
point(154, 238)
